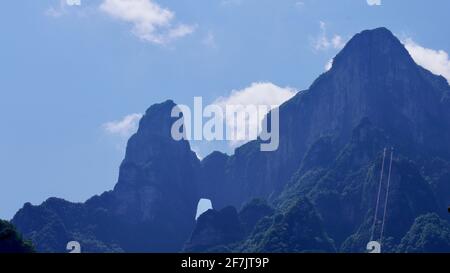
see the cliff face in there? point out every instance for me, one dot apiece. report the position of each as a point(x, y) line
point(373, 77)
point(215, 229)
point(157, 191)
point(330, 152)
point(223, 230)
point(332, 138)
point(151, 208)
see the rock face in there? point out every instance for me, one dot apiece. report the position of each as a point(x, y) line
point(151, 208)
point(156, 192)
point(222, 231)
point(321, 182)
point(373, 78)
point(215, 229)
point(253, 212)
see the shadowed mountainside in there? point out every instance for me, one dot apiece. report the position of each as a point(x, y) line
point(321, 183)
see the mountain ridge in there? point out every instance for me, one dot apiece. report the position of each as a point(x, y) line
point(331, 138)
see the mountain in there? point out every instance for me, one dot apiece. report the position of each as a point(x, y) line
point(297, 228)
point(223, 230)
point(151, 208)
point(214, 229)
point(320, 186)
point(428, 234)
point(11, 241)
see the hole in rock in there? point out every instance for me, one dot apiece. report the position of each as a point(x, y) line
point(203, 205)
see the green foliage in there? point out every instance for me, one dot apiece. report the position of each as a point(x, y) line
point(428, 234)
point(252, 212)
point(11, 241)
point(297, 229)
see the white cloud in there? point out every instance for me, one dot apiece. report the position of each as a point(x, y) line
point(437, 61)
point(329, 65)
point(151, 22)
point(57, 11)
point(259, 93)
point(73, 2)
point(323, 42)
point(197, 151)
point(299, 4)
point(179, 32)
point(210, 40)
point(124, 127)
point(337, 42)
point(374, 2)
point(65, 7)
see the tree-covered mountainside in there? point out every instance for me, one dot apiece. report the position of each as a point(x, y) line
point(428, 234)
point(224, 230)
point(318, 192)
point(259, 228)
point(11, 241)
point(215, 229)
point(296, 228)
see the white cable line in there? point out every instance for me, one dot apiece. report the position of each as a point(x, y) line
point(378, 197)
point(387, 196)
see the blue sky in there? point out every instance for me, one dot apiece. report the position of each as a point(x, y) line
point(74, 79)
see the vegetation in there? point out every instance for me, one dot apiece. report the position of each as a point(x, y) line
point(428, 234)
point(297, 229)
point(11, 241)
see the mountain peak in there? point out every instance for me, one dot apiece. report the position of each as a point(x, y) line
point(380, 31)
point(376, 37)
point(157, 120)
point(377, 48)
point(158, 107)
